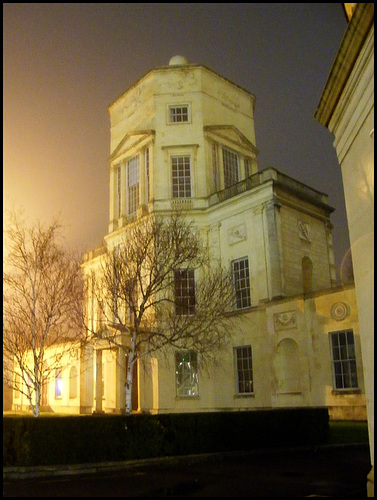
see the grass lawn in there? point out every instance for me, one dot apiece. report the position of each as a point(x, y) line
point(348, 431)
point(21, 413)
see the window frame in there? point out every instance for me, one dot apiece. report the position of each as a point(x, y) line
point(243, 374)
point(181, 184)
point(185, 303)
point(343, 358)
point(174, 113)
point(231, 180)
point(242, 295)
point(58, 383)
point(133, 190)
point(147, 193)
point(190, 374)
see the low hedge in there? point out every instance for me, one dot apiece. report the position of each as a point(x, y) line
point(31, 441)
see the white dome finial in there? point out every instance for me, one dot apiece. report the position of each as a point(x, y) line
point(178, 61)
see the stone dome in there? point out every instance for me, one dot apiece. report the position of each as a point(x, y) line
point(178, 61)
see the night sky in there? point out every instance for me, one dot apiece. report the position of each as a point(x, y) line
point(64, 64)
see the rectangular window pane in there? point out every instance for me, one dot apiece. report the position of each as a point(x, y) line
point(344, 362)
point(244, 373)
point(231, 168)
point(184, 288)
point(186, 374)
point(181, 176)
point(58, 383)
point(133, 184)
point(241, 281)
point(178, 114)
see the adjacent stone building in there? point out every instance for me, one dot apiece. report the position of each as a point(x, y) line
point(346, 108)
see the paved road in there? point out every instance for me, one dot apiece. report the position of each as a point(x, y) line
point(336, 471)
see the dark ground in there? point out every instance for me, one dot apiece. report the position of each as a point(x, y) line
point(326, 471)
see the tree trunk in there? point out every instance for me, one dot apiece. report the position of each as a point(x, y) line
point(37, 406)
point(128, 385)
point(130, 371)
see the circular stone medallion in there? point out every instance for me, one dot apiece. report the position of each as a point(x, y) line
point(340, 311)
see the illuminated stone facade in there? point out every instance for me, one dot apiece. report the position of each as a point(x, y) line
point(183, 137)
point(346, 108)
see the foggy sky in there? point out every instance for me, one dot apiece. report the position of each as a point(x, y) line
point(64, 64)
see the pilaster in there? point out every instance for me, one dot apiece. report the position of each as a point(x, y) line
point(273, 249)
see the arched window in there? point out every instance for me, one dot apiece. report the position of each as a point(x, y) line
point(73, 383)
point(307, 274)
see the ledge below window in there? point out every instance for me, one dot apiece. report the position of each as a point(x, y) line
point(179, 398)
point(342, 392)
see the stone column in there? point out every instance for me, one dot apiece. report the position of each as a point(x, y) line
point(151, 172)
point(86, 380)
point(155, 385)
point(330, 250)
point(121, 379)
point(260, 253)
point(214, 240)
point(142, 194)
point(99, 381)
point(220, 168)
point(112, 207)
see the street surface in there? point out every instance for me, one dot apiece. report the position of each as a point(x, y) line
point(338, 471)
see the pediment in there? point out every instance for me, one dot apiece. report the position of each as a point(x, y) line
point(231, 134)
point(131, 140)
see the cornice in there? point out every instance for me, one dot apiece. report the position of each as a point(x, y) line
point(350, 48)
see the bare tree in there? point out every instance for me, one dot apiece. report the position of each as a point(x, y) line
point(42, 306)
point(158, 287)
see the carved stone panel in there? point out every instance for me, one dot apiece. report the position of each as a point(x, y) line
point(285, 320)
point(303, 230)
point(237, 234)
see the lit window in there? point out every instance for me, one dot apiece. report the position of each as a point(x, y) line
point(184, 288)
point(58, 383)
point(344, 360)
point(133, 184)
point(241, 280)
point(186, 374)
point(244, 369)
point(181, 176)
point(231, 168)
point(178, 114)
